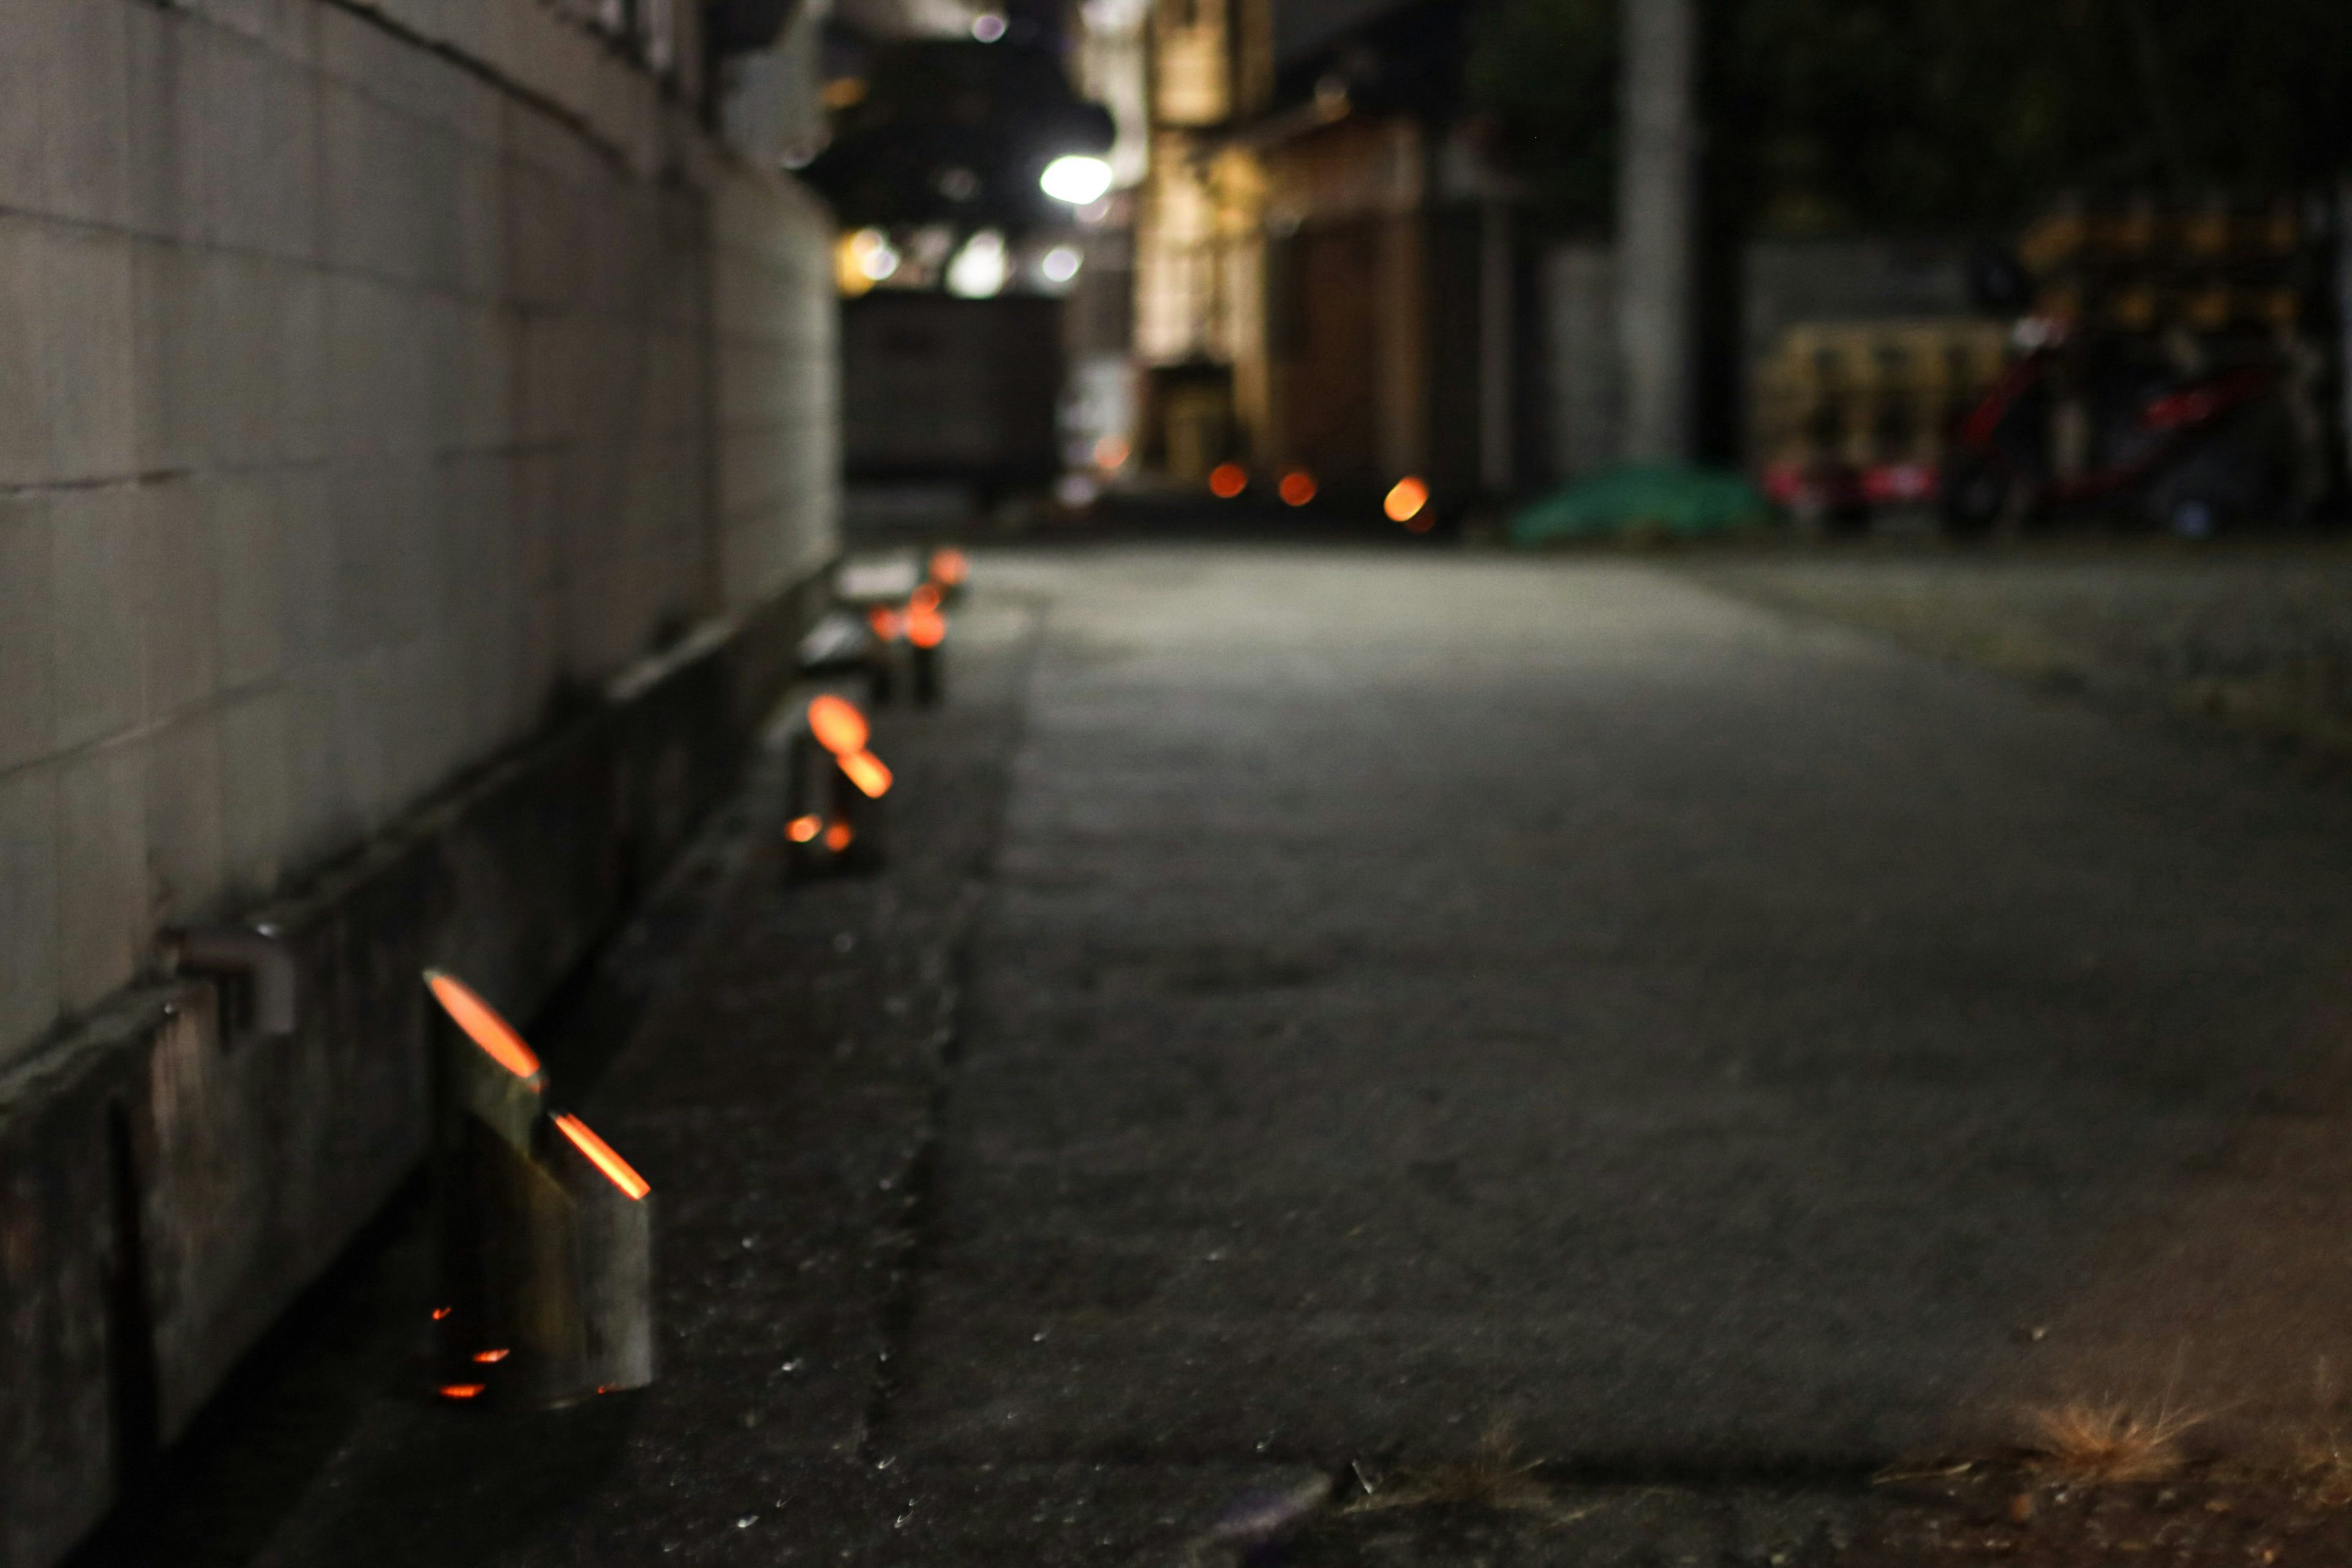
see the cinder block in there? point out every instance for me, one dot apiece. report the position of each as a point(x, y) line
point(99, 566)
point(240, 520)
point(261, 133)
point(305, 424)
point(27, 632)
point(183, 602)
point(23, 414)
point(165, 50)
point(257, 828)
point(184, 820)
point(87, 321)
point(175, 417)
point(103, 911)
point(244, 385)
point(480, 201)
point(380, 369)
point(87, 104)
point(320, 818)
point(30, 35)
point(545, 238)
point(28, 907)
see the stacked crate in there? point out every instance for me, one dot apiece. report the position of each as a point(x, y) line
point(2140, 268)
point(1870, 398)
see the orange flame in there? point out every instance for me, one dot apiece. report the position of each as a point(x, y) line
point(949, 567)
point(1227, 480)
point(482, 1024)
point(600, 1154)
point(838, 727)
point(802, 829)
point(840, 836)
point(925, 627)
point(462, 1390)
point(867, 773)
point(886, 622)
point(1298, 487)
point(487, 1357)
point(1405, 502)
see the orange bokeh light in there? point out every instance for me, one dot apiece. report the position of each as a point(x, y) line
point(867, 773)
point(1406, 503)
point(1298, 487)
point(925, 627)
point(886, 622)
point(802, 829)
point(461, 1390)
point(840, 836)
point(1227, 480)
point(838, 727)
point(489, 1357)
point(925, 598)
point(482, 1024)
point(600, 1154)
point(439, 1313)
point(1111, 452)
point(949, 567)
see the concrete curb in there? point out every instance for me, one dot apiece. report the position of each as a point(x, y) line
point(167, 1188)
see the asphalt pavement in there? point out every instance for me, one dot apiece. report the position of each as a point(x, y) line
point(1330, 1013)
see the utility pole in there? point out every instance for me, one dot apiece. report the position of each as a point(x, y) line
point(1655, 268)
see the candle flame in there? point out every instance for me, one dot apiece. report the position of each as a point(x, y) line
point(482, 1024)
point(838, 727)
point(600, 1154)
point(1405, 502)
point(867, 773)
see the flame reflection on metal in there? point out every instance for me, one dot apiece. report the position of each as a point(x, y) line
point(600, 1154)
point(482, 1024)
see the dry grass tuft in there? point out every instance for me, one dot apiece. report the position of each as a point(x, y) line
point(1492, 1477)
point(2094, 1443)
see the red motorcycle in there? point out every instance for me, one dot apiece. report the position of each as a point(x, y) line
point(2080, 424)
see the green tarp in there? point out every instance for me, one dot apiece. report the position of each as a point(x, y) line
point(1643, 498)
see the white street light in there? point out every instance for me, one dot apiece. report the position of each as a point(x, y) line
point(1078, 179)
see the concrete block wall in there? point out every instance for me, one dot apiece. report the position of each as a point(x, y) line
point(371, 375)
point(416, 463)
